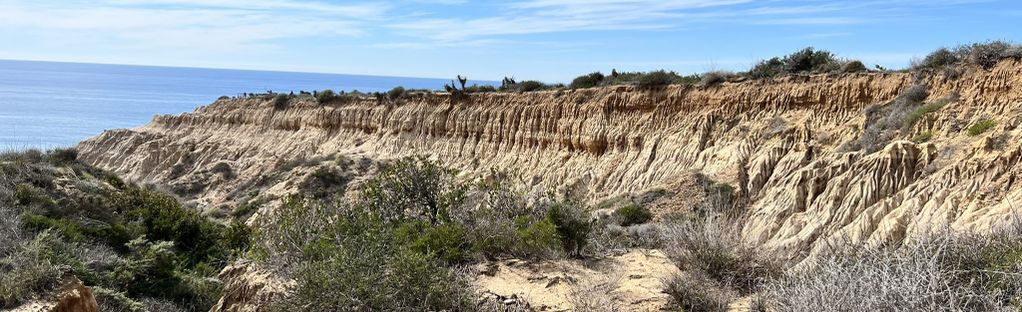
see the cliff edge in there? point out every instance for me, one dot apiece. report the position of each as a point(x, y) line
point(792, 147)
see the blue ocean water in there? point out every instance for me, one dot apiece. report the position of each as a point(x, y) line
point(49, 104)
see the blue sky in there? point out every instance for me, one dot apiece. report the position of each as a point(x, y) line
point(550, 40)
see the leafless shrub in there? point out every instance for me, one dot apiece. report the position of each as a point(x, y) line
point(713, 245)
point(943, 272)
point(988, 54)
point(10, 229)
point(161, 305)
point(714, 78)
point(594, 296)
point(697, 293)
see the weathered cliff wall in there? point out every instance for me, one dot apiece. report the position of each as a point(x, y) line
point(777, 141)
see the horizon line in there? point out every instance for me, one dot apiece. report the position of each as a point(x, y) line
point(227, 69)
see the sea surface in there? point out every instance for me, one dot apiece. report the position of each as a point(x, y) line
point(48, 104)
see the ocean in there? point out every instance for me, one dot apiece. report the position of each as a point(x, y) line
point(45, 105)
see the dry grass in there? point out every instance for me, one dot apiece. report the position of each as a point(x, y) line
point(697, 293)
point(944, 272)
point(595, 296)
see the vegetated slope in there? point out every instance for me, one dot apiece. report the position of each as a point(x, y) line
point(136, 248)
point(824, 157)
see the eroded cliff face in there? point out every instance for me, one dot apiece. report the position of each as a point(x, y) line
point(778, 142)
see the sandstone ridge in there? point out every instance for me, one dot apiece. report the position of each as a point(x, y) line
point(780, 143)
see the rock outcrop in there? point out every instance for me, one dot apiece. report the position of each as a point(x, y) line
point(247, 289)
point(72, 296)
point(781, 143)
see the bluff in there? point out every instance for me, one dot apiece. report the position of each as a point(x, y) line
point(786, 145)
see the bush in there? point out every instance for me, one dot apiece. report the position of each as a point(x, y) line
point(981, 126)
point(325, 96)
point(62, 156)
point(941, 272)
point(809, 60)
point(658, 78)
point(767, 68)
point(325, 181)
point(714, 78)
point(356, 264)
point(913, 118)
point(480, 89)
point(697, 293)
point(985, 55)
point(922, 137)
point(224, 169)
point(713, 246)
point(412, 188)
point(854, 66)
point(572, 225)
point(446, 242)
point(988, 54)
point(937, 59)
point(396, 93)
point(632, 214)
point(133, 241)
point(805, 61)
point(530, 85)
point(587, 81)
point(882, 122)
point(281, 101)
point(30, 270)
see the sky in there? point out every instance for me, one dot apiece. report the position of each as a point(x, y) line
point(548, 40)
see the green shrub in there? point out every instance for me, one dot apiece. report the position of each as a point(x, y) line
point(658, 78)
point(325, 181)
point(530, 85)
point(131, 240)
point(281, 101)
point(937, 59)
point(30, 270)
point(913, 118)
point(537, 238)
point(325, 96)
point(985, 55)
point(572, 226)
point(412, 188)
point(632, 214)
point(810, 60)
point(248, 207)
point(62, 156)
point(587, 81)
point(883, 122)
point(767, 68)
point(112, 300)
point(446, 242)
point(223, 169)
point(356, 264)
point(981, 126)
point(396, 93)
point(805, 61)
point(923, 137)
point(854, 66)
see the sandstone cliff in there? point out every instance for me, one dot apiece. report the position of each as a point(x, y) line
point(778, 142)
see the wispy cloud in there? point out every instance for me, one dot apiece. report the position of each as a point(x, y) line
point(217, 24)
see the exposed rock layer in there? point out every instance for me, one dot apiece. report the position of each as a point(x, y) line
point(776, 141)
